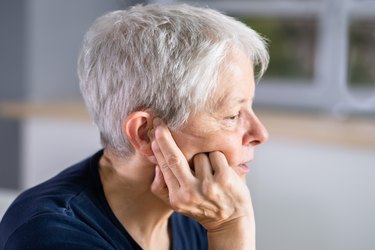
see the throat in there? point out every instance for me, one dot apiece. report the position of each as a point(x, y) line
point(146, 222)
point(159, 238)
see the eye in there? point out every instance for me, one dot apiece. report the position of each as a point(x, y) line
point(234, 117)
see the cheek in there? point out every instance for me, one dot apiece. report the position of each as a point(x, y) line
point(189, 145)
point(232, 150)
point(230, 144)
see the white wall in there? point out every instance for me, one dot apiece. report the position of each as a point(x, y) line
point(51, 145)
point(55, 32)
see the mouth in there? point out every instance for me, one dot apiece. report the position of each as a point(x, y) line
point(244, 168)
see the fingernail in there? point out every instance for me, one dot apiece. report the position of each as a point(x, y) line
point(154, 146)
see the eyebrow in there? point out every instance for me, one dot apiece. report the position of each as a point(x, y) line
point(242, 100)
point(230, 100)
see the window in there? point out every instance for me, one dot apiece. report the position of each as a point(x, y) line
point(321, 51)
point(292, 44)
point(361, 70)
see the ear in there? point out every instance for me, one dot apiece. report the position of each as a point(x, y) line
point(137, 127)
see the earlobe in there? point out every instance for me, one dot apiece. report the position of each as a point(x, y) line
point(137, 127)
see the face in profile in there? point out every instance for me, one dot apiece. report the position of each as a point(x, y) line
point(229, 125)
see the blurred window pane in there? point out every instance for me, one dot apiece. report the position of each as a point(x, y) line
point(292, 44)
point(361, 53)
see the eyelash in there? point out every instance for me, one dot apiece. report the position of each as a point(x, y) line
point(234, 117)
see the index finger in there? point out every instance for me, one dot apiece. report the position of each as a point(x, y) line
point(170, 154)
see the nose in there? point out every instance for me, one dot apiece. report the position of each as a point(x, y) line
point(256, 132)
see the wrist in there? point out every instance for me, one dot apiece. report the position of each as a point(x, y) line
point(238, 233)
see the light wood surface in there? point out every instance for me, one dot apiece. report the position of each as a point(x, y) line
point(306, 126)
point(319, 128)
point(63, 110)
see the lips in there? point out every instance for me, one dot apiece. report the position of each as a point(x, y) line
point(243, 168)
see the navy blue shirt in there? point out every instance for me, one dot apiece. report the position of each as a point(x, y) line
point(70, 211)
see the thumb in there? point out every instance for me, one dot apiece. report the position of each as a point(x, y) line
point(159, 187)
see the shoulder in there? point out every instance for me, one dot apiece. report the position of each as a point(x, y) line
point(51, 203)
point(54, 231)
point(56, 192)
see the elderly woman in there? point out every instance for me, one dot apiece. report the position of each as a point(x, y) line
point(171, 90)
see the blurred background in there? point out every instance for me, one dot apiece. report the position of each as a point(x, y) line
point(312, 183)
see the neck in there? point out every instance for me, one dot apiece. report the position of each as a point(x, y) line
point(126, 185)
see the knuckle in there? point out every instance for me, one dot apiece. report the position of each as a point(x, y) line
point(173, 161)
point(222, 214)
point(224, 180)
point(186, 199)
point(164, 166)
point(209, 190)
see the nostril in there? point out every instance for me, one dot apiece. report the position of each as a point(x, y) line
point(255, 142)
point(256, 135)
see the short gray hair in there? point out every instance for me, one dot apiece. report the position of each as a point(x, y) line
point(163, 58)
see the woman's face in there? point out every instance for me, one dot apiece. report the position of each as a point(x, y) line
point(229, 125)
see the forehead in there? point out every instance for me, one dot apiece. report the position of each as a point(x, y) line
point(236, 81)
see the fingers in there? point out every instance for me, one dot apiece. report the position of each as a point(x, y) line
point(172, 162)
point(168, 176)
point(202, 167)
point(219, 162)
point(212, 194)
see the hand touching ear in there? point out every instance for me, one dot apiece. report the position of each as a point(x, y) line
point(214, 194)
